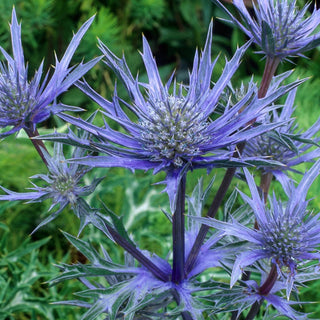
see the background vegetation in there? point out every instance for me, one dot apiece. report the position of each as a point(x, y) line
point(174, 29)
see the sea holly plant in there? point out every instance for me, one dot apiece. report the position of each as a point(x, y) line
point(284, 144)
point(228, 260)
point(280, 29)
point(287, 234)
point(63, 184)
point(24, 103)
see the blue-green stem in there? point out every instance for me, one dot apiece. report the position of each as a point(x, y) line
point(178, 231)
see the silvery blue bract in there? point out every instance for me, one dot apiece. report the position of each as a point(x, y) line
point(63, 185)
point(279, 28)
point(285, 144)
point(287, 233)
point(24, 102)
point(177, 127)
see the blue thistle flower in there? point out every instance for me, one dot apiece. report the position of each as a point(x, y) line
point(285, 144)
point(248, 294)
point(174, 131)
point(63, 184)
point(251, 294)
point(288, 233)
point(25, 103)
point(279, 28)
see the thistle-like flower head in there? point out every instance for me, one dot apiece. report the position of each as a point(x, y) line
point(288, 233)
point(24, 102)
point(279, 28)
point(285, 144)
point(62, 184)
point(173, 130)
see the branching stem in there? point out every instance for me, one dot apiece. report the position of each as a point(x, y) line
point(264, 290)
point(212, 212)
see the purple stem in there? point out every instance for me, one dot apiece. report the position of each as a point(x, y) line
point(38, 144)
point(266, 178)
point(264, 290)
point(269, 71)
point(212, 212)
point(185, 315)
point(265, 182)
point(178, 229)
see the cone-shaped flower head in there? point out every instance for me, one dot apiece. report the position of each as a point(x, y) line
point(63, 184)
point(174, 130)
point(288, 233)
point(25, 103)
point(279, 28)
point(285, 144)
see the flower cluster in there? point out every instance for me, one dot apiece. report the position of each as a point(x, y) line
point(268, 246)
point(285, 144)
point(25, 103)
point(287, 233)
point(63, 184)
point(279, 28)
point(175, 130)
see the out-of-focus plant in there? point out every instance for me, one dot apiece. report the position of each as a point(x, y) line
point(20, 270)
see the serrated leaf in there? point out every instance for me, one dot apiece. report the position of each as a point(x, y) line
point(297, 137)
point(85, 248)
point(229, 204)
point(118, 224)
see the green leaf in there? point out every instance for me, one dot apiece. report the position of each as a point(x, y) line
point(24, 249)
point(118, 224)
point(94, 311)
point(268, 42)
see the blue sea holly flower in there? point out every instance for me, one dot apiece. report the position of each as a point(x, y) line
point(242, 297)
point(174, 131)
point(285, 144)
point(288, 234)
point(279, 28)
point(25, 103)
point(251, 294)
point(63, 184)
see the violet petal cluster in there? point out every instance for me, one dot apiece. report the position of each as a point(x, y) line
point(288, 233)
point(279, 27)
point(177, 127)
point(285, 144)
point(62, 184)
point(24, 102)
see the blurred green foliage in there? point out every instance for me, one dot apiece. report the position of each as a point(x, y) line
point(174, 28)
